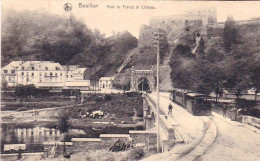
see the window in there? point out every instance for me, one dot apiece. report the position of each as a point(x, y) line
point(40, 73)
point(22, 73)
point(45, 74)
point(33, 68)
point(9, 78)
point(71, 76)
point(67, 76)
point(60, 74)
point(40, 79)
point(46, 68)
point(56, 74)
point(32, 74)
point(27, 79)
point(57, 68)
point(5, 71)
point(50, 73)
point(13, 71)
point(22, 68)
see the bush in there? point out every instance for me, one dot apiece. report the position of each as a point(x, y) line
point(119, 145)
point(243, 103)
point(108, 97)
point(25, 90)
point(136, 154)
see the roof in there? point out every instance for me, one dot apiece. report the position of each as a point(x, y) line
point(194, 94)
point(182, 90)
point(226, 101)
point(12, 65)
point(106, 79)
point(74, 68)
point(38, 65)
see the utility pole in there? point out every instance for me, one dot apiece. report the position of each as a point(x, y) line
point(157, 43)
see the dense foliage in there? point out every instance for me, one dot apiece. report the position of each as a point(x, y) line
point(25, 90)
point(234, 67)
point(33, 35)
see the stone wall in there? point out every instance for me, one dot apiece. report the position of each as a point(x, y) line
point(253, 121)
point(146, 36)
point(146, 139)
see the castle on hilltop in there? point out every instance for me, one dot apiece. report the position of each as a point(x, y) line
point(194, 24)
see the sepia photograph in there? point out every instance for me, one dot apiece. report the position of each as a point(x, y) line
point(114, 80)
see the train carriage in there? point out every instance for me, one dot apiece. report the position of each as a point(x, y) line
point(180, 97)
point(198, 104)
point(195, 103)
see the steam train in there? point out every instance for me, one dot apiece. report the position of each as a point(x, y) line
point(195, 103)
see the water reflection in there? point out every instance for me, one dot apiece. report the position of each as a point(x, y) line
point(29, 135)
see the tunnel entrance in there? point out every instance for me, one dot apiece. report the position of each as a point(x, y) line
point(143, 85)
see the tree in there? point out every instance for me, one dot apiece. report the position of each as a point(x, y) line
point(231, 36)
point(237, 69)
point(4, 85)
point(182, 64)
point(255, 73)
point(25, 90)
point(64, 125)
point(201, 47)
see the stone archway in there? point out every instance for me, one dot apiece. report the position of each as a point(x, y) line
point(142, 80)
point(143, 84)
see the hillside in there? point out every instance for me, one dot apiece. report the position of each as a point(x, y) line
point(62, 39)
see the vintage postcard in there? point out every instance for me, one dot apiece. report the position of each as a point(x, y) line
point(111, 80)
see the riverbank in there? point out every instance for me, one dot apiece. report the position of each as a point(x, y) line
point(122, 112)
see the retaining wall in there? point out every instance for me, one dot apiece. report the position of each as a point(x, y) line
point(253, 121)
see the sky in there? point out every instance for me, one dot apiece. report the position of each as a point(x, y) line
point(108, 19)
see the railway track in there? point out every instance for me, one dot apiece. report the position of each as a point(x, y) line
point(196, 151)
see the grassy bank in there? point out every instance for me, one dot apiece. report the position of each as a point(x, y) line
point(13, 106)
point(120, 105)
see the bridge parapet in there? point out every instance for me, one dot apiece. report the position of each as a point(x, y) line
point(168, 135)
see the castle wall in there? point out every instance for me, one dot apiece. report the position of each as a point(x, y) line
point(146, 36)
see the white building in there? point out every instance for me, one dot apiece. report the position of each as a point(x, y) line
point(44, 74)
point(106, 82)
point(9, 73)
point(75, 77)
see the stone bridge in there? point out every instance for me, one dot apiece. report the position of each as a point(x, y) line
point(168, 136)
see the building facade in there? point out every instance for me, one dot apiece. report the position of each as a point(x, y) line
point(75, 77)
point(43, 74)
point(106, 82)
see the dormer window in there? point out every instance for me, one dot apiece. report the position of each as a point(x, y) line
point(57, 68)
point(5, 71)
point(13, 71)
